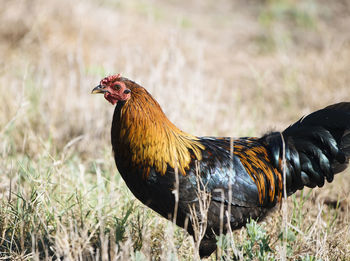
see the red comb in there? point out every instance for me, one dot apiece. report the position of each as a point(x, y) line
point(111, 78)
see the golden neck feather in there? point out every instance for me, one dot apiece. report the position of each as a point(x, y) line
point(151, 139)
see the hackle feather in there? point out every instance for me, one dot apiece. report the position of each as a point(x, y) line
point(151, 139)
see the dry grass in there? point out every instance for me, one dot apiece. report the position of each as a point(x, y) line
point(225, 67)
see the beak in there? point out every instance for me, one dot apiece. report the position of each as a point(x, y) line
point(98, 89)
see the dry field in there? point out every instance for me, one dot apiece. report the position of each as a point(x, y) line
point(223, 68)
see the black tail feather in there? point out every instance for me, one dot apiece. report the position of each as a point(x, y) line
point(345, 143)
point(316, 147)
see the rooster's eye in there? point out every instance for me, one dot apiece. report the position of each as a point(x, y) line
point(117, 86)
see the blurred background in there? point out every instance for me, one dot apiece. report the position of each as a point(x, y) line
point(223, 68)
point(217, 67)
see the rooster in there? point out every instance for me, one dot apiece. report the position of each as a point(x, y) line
point(246, 176)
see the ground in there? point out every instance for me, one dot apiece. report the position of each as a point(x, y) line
point(218, 68)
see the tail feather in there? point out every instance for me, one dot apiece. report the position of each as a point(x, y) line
point(316, 147)
point(345, 143)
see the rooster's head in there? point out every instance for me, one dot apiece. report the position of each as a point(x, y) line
point(114, 89)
